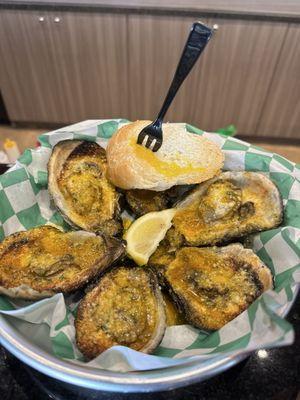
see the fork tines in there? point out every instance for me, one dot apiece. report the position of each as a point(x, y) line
point(151, 140)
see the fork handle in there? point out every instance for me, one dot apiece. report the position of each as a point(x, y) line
point(195, 44)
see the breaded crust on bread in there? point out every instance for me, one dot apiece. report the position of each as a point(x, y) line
point(184, 158)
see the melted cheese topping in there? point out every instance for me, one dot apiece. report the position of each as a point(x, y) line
point(45, 259)
point(193, 224)
point(91, 199)
point(123, 310)
point(213, 288)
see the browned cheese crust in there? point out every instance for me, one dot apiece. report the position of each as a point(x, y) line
point(230, 206)
point(212, 286)
point(80, 188)
point(142, 201)
point(125, 308)
point(46, 259)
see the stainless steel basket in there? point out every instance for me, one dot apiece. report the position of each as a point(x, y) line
point(92, 378)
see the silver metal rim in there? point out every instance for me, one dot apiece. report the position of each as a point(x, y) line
point(92, 378)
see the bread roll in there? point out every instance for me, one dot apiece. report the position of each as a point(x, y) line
point(184, 158)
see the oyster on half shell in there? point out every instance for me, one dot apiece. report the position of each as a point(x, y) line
point(43, 261)
point(125, 308)
point(79, 187)
point(229, 206)
point(212, 285)
point(142, 201)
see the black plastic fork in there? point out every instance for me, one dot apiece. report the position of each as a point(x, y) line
point(195, 44)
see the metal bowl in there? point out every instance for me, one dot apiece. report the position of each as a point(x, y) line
point(92, 378)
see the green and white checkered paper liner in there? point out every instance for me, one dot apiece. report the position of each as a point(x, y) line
point(25, 203)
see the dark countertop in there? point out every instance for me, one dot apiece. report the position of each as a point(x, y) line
point(276, 377)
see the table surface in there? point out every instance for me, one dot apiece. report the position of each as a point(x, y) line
point(275, 377)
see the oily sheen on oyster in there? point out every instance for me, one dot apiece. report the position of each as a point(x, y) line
point(43, 261)
point(211, 285)
point(125, 308)
point(229, 206)
point(79, 187)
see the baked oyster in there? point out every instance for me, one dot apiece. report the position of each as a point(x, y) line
point(144, 201)
point(43, 261)
point(213, 285)
point(125, 308)
point(79, 187)
point(231, 205)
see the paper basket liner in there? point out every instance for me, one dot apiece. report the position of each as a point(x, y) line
point(25, 203)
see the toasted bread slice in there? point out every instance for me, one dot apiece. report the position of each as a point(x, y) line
point(184, 158)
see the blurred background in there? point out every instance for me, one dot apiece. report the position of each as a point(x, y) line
point(69, 60)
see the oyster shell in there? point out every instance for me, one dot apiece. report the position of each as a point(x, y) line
point(43, 261)
point(213, 285)
point(79, 187)
point(125, 308)
point(231, 205)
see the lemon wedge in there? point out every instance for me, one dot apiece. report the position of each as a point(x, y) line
point(145, 233)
